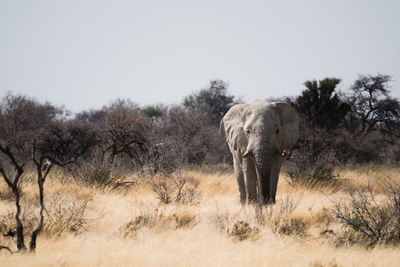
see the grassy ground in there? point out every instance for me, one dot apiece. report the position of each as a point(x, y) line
point(89, 226)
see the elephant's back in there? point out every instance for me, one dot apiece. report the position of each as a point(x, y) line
point(235, 111)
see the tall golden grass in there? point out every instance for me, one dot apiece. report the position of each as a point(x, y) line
point(129, 227)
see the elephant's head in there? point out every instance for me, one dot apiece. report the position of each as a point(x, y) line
point(261, 130)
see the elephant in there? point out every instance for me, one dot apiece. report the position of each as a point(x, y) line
point(259, 135)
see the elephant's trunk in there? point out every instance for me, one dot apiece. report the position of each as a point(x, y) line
point(263, 176)
point(267, 167)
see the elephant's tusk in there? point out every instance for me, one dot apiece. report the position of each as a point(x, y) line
point(284, 153)
point(246, 153)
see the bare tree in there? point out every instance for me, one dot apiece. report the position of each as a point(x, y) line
point(36, 133)
point(121, 130)
point(20, 118)
point(61, 144)
point(11, 175)
point(373, 109)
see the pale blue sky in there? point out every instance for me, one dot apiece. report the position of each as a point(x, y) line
point(83, 54)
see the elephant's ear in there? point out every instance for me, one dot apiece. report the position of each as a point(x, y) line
point(231, 127)
point(289, 122)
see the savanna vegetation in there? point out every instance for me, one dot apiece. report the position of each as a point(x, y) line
point(130, 185)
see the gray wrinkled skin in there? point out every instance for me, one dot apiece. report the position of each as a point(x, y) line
point(259, 134)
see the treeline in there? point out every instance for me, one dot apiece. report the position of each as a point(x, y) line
point(361, 125)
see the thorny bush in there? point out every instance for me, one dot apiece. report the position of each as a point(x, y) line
point(174, 187)
point(370, 219)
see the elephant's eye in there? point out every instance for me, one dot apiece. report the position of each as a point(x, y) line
point(277, 131)
point(248, 131)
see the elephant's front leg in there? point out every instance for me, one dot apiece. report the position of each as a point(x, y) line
point(250, 180)
point(274, 177)
point(240, 178)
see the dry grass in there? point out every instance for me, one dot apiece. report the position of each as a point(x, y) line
point(129, 227)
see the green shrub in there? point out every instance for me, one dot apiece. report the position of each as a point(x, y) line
point(151, 111)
